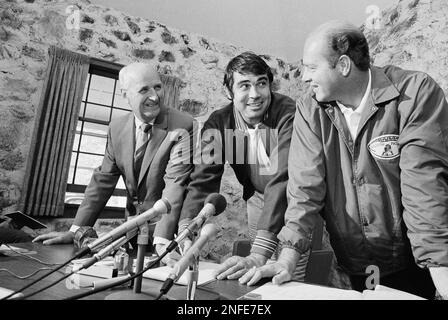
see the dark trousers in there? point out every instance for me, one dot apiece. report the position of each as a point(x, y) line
point(412, 279)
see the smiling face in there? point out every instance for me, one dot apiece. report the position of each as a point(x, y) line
point(251, 96)
point(143, 91)
point(324, 79)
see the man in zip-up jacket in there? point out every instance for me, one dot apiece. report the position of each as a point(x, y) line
point(369, 152)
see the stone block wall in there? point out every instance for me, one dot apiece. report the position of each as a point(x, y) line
point(413, 35)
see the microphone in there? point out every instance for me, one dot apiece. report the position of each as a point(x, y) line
point(208, 232)
point(100, 255)
point(161, 206)
point(214, 205)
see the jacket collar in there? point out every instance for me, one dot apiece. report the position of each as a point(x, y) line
point(161, 121)
point(382, 88)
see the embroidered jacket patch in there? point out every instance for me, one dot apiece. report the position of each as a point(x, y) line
point(384, 147)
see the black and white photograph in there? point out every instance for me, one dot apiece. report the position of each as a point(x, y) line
point(250, 155)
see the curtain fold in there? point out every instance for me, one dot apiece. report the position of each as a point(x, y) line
point(171, 87)
point(54, 131)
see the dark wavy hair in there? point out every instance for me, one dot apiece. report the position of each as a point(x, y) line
point(244, 63)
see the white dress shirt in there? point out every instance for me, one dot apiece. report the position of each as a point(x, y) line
point(138, 123)
point(353, 117)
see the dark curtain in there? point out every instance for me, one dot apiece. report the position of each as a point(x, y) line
point(54, 130)
point(171, 87)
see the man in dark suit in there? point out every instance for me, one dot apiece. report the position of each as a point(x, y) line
point(150, 148)
point(253, 134)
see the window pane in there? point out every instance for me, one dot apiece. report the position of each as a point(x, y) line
point(71, 169)
point(73, 197)
point(120, 102)
point(94, 138)
point(116, 113)
point(116, 201)
point(79, 125)
point(97, 112)
point(81, 109)
point(76, 198)
point(86, 164)
point(101, 90)
point(77, 134)
point(76, 143)
point(93, 144)
point(85, 89)
point(95, 129)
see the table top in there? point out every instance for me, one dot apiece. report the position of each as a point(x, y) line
point(57, 254)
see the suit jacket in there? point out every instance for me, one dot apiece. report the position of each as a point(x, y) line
point(164, 173)
point(206, 178)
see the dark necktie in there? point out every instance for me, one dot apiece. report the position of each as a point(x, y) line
point(140, 146)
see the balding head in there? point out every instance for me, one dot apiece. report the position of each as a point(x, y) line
point(135, 72)
point(143, 90)
point(341, 38)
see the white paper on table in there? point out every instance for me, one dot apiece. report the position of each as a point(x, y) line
point(6, 292)
point(304, 291)
point(385, 293)
point(206, 274)
point(14, 251)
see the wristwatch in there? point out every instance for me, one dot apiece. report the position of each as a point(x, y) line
point(83, 236)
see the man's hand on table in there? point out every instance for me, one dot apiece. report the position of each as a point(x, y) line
point(236, 266)
point(282, 270)
point(56, 238)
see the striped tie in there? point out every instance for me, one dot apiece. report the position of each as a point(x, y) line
point(140, 146)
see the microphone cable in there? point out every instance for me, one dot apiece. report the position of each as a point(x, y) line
point(160, 296)
point(200, 287)
point(131, 277)
point(48, 286)
point(166, 286)
point(121, 241)
point(81, 253)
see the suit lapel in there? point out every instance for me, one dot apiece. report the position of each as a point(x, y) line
point(159, 132)
point(127, 145)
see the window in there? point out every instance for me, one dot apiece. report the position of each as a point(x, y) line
point(102, 101)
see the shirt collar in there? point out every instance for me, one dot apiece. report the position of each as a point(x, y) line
point(363, 102)
point(138, 122)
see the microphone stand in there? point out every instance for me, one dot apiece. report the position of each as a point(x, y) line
point(142, 243)
point(192, 276)
point(119, 282)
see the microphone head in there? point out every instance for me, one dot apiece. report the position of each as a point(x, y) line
point(218, 201)
point(162, 206)
point(209, 231)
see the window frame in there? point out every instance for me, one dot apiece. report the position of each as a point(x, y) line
point(107, 69)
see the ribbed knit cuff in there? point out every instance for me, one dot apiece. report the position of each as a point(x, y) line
point(265, 243)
